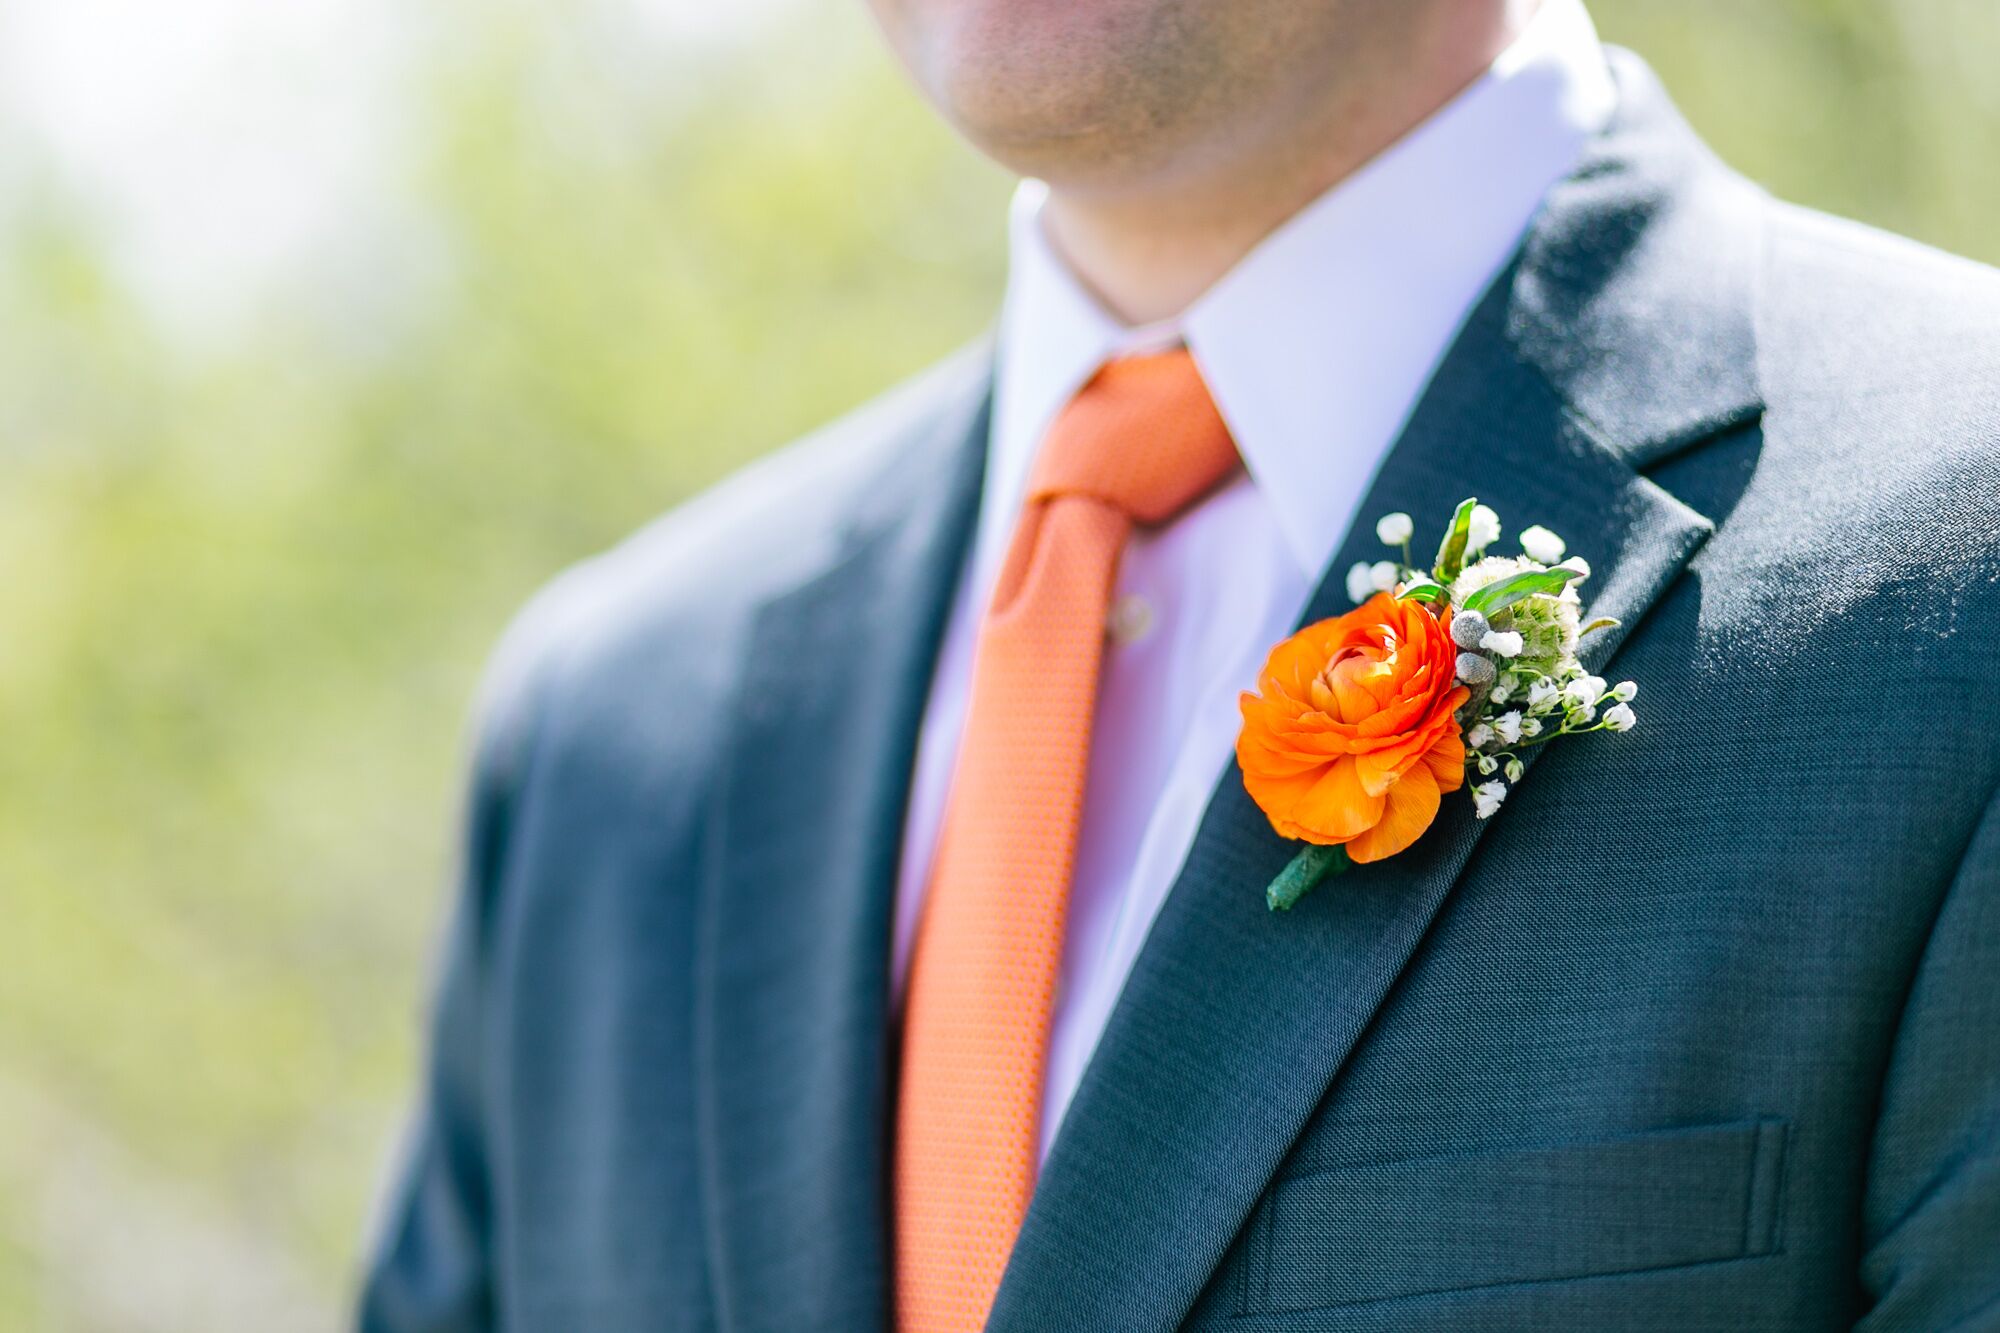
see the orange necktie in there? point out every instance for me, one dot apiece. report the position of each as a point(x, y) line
point(1137, 445)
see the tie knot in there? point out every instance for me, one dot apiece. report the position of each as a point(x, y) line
point(1143, 436)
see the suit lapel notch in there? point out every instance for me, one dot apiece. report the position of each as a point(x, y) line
point(1635, 294)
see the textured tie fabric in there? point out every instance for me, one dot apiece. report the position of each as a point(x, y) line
point(1138, 444)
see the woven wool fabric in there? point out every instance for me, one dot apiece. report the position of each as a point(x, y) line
point(1138, 444)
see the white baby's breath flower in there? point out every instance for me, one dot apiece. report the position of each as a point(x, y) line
point(1620, 717)
point(1486, 798)
point(1487, 764)
point(1479, 735)
point(1502, 692)
point(1394, 529)
point(1541, 544)
point(1569, 595)
point(1585, 691)
point(1542, 694)
point(1625, 691)
point(1360, 581)
point(1504, 642)
point(1383, 575)
point(1531, 727)
point(1515, 768)
point(1507, 727)
point(1483, 530)
point(1482, 572)
point(1578, 717)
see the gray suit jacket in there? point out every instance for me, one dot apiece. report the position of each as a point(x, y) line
point(1702, 1031)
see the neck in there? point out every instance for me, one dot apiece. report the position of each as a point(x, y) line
point(1148, 249)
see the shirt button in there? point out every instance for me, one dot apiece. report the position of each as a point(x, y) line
point(1130, 619)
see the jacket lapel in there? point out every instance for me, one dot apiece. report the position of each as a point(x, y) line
point(792, 1006)
point(1621, 334)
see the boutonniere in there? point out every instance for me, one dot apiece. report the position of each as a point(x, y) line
point(1361, 724)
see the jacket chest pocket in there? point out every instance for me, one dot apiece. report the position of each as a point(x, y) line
point(1625, 1205)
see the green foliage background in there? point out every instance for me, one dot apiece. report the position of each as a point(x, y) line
point(245, 588)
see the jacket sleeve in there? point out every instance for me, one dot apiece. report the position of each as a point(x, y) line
point(1931, 1247)
point(431, 1266)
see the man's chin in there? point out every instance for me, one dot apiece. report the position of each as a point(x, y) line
point(1036, 83)
point(1056, 124)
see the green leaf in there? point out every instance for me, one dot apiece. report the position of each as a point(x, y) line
point(1602, 622)
point(1421, 590)
point(1498, 596)
point(1313, 864)
point(1451, 552)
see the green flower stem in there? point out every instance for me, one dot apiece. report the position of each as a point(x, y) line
point(1564, 730)
point(1313, 864)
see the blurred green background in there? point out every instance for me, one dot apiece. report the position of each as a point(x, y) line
point(328, 331)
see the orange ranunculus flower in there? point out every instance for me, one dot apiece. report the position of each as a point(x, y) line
point(1352, 735)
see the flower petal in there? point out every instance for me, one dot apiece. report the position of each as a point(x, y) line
point(1446, 760)
point(1411, 805)
point(1325, 807)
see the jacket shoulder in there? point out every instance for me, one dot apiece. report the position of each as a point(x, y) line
point(662, 613)
point(1879, 358)
point(1872, 484)
point(1874, 308)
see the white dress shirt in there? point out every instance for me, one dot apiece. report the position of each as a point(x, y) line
point(1316, 346)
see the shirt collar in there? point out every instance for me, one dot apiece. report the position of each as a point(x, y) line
point(1318, 343)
